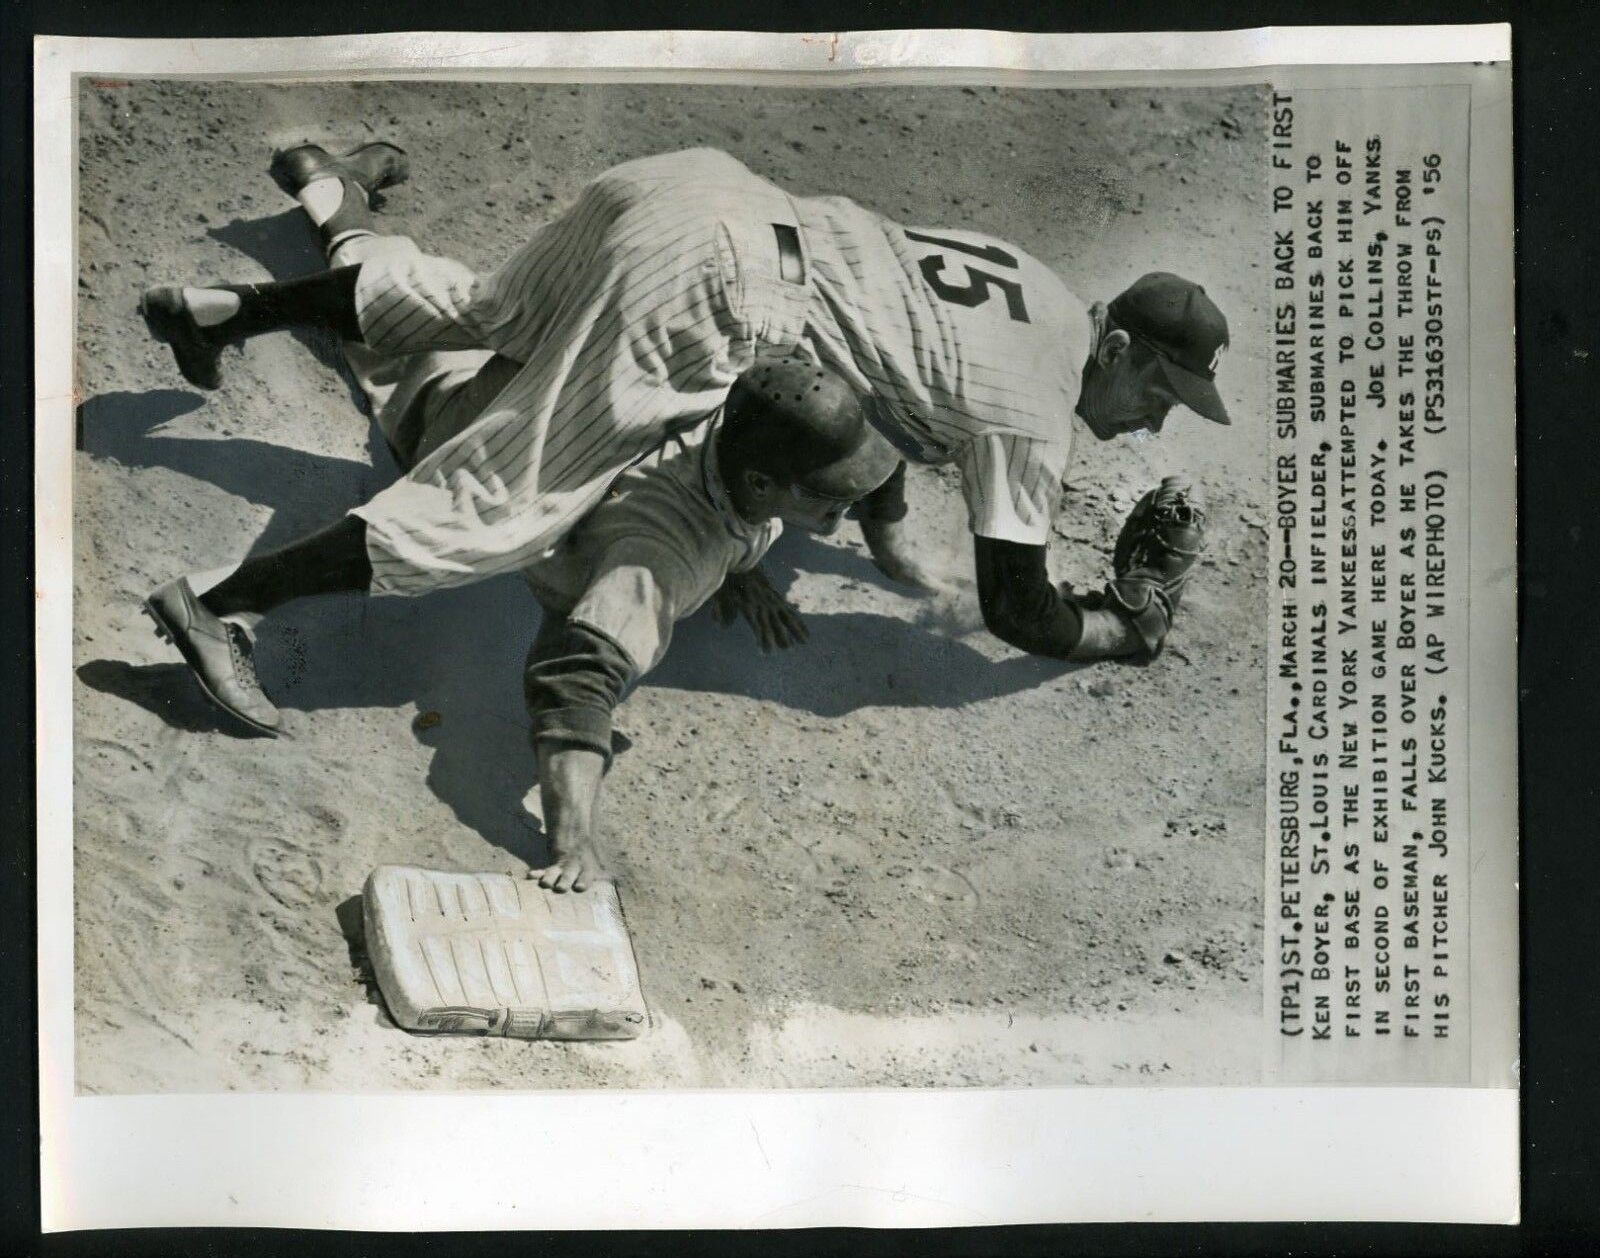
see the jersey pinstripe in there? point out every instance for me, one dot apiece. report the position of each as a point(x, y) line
point(633, 313)
point(973, 349)
point(663, 537)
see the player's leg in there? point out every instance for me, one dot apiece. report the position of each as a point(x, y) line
point(648, 351)
point(336, 192)
point(393, 306)
point(204, 614)
point(424, 303)
point(199, 321)
point(204, 623)
point(648, 341)
point(420, 401)
point(332, 561)
point(417, 400)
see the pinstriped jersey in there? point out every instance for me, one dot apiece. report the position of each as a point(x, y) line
point(972, 350)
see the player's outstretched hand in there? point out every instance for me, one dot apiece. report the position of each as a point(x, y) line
point(576, 870)
point(776, 621)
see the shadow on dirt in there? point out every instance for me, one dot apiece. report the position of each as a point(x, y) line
point(853, 660)
point(458, 653)
point(166, 690)
point(348, 913)
point(305, 491)
point(797, 552)
point(455, 658)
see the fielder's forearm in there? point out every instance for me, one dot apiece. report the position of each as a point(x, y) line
point(1021, 607)
point(882, 515)
point(887, 542)
point(1106, 635)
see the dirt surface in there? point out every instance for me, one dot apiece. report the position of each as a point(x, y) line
point(902, 854)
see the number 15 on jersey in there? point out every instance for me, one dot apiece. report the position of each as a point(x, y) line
point(981, 284)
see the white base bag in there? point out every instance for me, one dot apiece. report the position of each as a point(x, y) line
point(489, 954)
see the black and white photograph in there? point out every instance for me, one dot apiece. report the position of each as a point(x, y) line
point(750, 587)
point(885, 629)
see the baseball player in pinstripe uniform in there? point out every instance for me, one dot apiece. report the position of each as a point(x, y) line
point(629, 318)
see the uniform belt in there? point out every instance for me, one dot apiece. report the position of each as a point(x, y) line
point(791, 261)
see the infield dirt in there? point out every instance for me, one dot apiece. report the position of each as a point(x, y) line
point(902, 854)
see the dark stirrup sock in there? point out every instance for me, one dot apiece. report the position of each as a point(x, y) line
point(324, 300)
point(333, 561)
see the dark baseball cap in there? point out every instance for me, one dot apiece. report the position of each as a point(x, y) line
point(1174, 318)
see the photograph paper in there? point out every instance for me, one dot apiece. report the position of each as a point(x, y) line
point(849, 586)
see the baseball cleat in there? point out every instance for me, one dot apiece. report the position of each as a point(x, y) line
point(170, 321)
point(374, 166)
point(218, 651)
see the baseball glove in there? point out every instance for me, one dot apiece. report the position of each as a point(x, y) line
point(1158, 546)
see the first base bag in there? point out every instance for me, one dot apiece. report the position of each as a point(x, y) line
point(488, 954)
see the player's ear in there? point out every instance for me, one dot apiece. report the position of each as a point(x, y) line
point(760, 485)
point(1113, 345)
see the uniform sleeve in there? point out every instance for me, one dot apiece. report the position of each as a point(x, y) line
point(617, 631)
point(659, 551)
point(573, 681)
point(1019, 604)
point(1011, 484)
point(634, 601)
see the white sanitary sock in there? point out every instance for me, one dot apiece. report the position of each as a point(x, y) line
point(321, 198)
point(211, 306)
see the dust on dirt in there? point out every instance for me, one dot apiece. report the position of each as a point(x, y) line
point(902, 854)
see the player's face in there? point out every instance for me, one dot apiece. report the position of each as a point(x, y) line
point(1130, 394)
point(767, 497)
point(818, 502)
point(806, 509)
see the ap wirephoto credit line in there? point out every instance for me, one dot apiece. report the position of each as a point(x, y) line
point(1371, 485)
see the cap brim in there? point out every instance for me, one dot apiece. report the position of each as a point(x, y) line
point(1196, 392)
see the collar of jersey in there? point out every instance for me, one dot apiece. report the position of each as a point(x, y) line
point(717, 490)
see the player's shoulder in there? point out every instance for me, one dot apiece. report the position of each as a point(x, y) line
point(1048, 280)
point(670, 496)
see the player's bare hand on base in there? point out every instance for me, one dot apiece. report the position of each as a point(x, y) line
point(776, 621)
point(576, 870)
